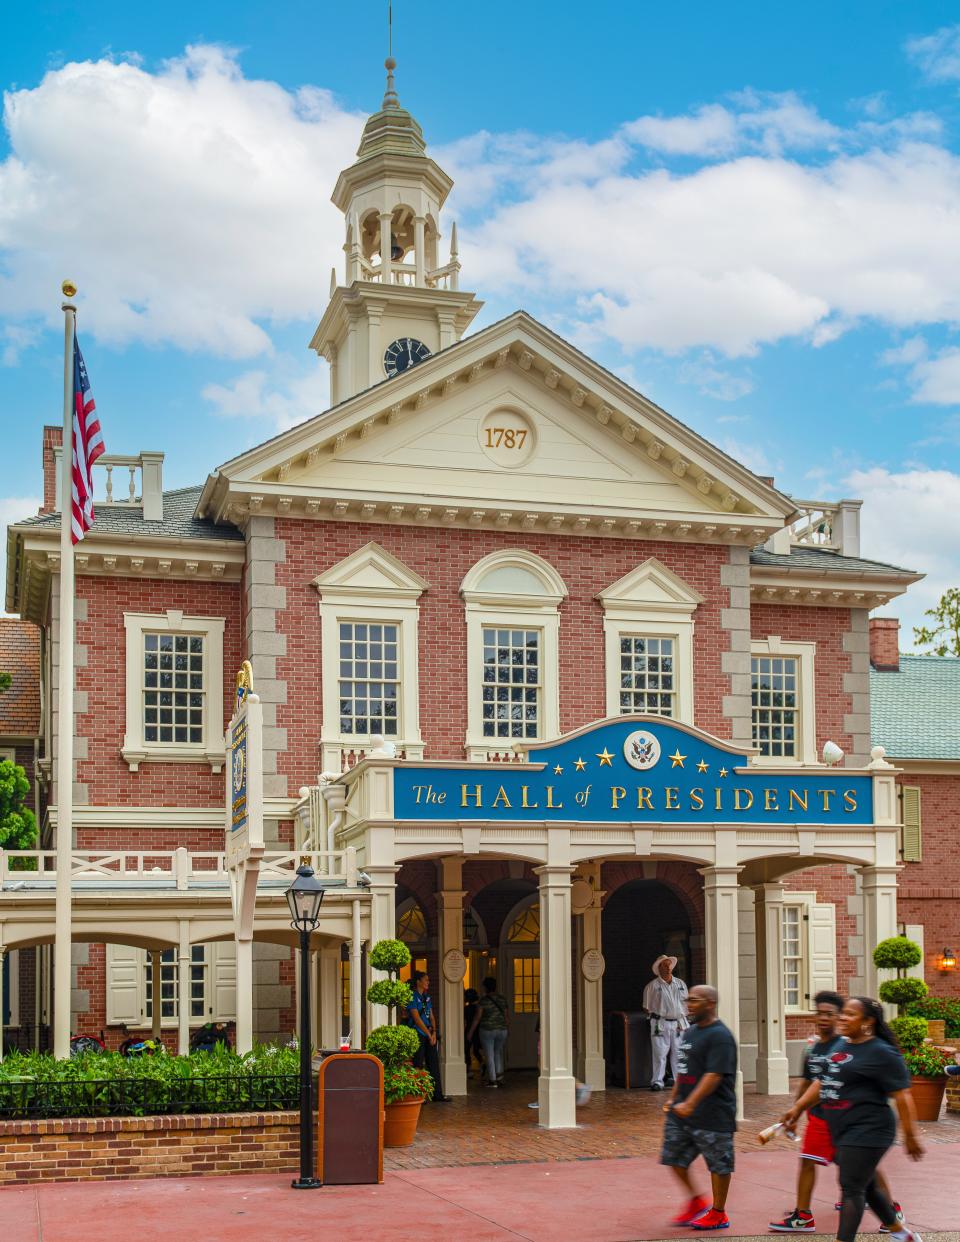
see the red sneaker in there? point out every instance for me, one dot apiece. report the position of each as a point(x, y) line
point(713, 1219)
point(696, 1207)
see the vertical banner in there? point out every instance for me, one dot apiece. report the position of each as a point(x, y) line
point(244, 774)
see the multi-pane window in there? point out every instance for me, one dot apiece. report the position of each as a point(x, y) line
point(647, 681)
point(793, 992)
point(511, 683)
point(169, 984)
point(173, 688)
point(369, 678)
point(526, 985)
point(776, 706)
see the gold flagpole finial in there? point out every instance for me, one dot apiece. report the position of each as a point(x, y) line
point(69, 289)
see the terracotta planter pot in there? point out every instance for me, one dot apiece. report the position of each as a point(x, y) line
point(927, 1097)
point(400, 1122)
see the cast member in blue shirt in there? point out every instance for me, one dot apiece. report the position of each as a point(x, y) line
point(420, 1017)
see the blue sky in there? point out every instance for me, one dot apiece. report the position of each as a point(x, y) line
point(751, 214)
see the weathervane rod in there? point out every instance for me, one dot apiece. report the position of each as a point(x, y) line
point(389, 27)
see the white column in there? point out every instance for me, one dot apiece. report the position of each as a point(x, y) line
point(328, 996)
point(156, 991)
point(879, 919)
point(183, 989)
point(450, 909)
point(383, 926)
point(356, 979)
point(591, 1067)
point(773, 1071)
point(244, 994)
point(556, 1088)
point(386, 245)
point(419, 241)
point(722, 927)
point(3, 993)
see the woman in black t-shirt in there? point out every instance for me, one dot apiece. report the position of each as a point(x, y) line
point(860, 1077)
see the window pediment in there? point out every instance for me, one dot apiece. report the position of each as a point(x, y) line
point(652, 588)
point(371, 571)
point(514, 577)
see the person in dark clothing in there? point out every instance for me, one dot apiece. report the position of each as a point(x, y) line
point(471, 1044)
point(860, 1077)
point(702, 1110)
point(420, 1017)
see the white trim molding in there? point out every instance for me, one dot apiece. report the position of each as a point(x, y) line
point(805, 654)
point(512, 589)
point(369, 586)
point(136, 749)
point(650, 601)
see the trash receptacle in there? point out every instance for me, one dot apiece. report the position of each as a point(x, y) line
point(350, 1119)
point(631, 1061)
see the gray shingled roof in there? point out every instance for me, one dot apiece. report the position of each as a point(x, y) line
point(915, 713)
point(824, 562)
point(178, 520)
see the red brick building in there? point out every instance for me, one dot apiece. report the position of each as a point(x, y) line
point(488, 541)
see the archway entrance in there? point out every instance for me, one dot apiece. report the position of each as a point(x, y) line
point(641, 920)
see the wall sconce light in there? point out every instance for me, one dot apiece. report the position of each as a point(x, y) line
point(948, 960)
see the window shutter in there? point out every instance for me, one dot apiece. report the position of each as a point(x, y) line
point(912, 837)
point(223, 980)
point(822, 948)
point(914, 932)
point(125, 985)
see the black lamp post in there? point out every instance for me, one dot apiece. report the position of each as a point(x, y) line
point(304, 897)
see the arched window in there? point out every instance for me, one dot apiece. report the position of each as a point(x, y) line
point(526, 926)
point(512, 601)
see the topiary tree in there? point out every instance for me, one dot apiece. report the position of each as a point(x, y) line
point(390, 956)
point(395, 1046)
point(899, 954)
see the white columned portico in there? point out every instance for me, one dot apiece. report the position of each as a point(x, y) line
point(383, 926)
point(450, 909)
point(773, 1070)
point(244, 949)
point(591, 1066)
point(183, 987)
point(722, 927)
point(557, 1086)
point(879, 919)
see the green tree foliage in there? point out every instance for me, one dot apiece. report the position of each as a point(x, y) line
point(389, 955)
point(944, 636)
point(4, 682)
point(897, 953)
point(18, 825)
point(902, 991)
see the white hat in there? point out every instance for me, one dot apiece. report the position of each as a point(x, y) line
point(664, 957)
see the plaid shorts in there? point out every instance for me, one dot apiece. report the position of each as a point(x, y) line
point(682, 1144)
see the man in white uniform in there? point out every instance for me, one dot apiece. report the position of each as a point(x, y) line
point(665, 1000)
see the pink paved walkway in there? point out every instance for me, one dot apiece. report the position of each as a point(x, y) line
point(578, 1201)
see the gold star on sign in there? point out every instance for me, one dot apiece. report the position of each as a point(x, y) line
point(676, 759)
point(558, 771)
point(723, 771)
point(580, 765)
point(702, 766)
point(606, 759)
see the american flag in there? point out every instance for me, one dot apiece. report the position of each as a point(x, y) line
point(87, 446)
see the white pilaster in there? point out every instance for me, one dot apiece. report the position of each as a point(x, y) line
point(183, 988)
point(720, 892)
point(386, 245)
point(591, 1066)
point(879, 919)
point(419, 242)
point(773, 1071)
point(328, 996)
point(3, 992)
point(450, 909)
point(156, 994)
point(557, 1087)
point(356, 979)
point(244, 995)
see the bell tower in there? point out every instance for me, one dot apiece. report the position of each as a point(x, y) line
point(399, 303)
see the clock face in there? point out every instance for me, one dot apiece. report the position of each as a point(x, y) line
point(403, 354)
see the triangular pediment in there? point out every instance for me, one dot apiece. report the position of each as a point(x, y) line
point(512, 427)
point(654, 587)
point(371, 570)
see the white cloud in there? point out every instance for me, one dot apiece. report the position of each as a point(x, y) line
point(190, 205)
point(12, 509)
point(937, 54)
point(712, 381)
point(922, 537)
point(286, 394)
point(711, 130)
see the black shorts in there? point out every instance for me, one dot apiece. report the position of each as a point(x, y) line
point(682, 1144)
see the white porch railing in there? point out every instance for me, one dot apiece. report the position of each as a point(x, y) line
point(122, 481)
point(834, 527)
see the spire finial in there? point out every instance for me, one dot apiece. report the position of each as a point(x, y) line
point(390, 99)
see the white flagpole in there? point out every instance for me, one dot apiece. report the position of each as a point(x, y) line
point(63, 943)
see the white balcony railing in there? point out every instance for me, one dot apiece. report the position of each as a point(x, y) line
point(122, 481)
point(832, 526)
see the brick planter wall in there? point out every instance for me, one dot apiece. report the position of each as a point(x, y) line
point(953, 1084)
point(114, 1148)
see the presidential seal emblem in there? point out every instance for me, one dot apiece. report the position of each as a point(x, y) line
point(641, 750)
point(239, 769)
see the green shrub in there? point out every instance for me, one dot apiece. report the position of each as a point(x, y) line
point(389, 955)
point(902, 991)
point(939, 1008)
point(910, 1032)
point(897, 953)
point(390, 992)
point(393, 1045)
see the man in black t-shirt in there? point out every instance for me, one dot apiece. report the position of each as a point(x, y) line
point(702, 1110)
